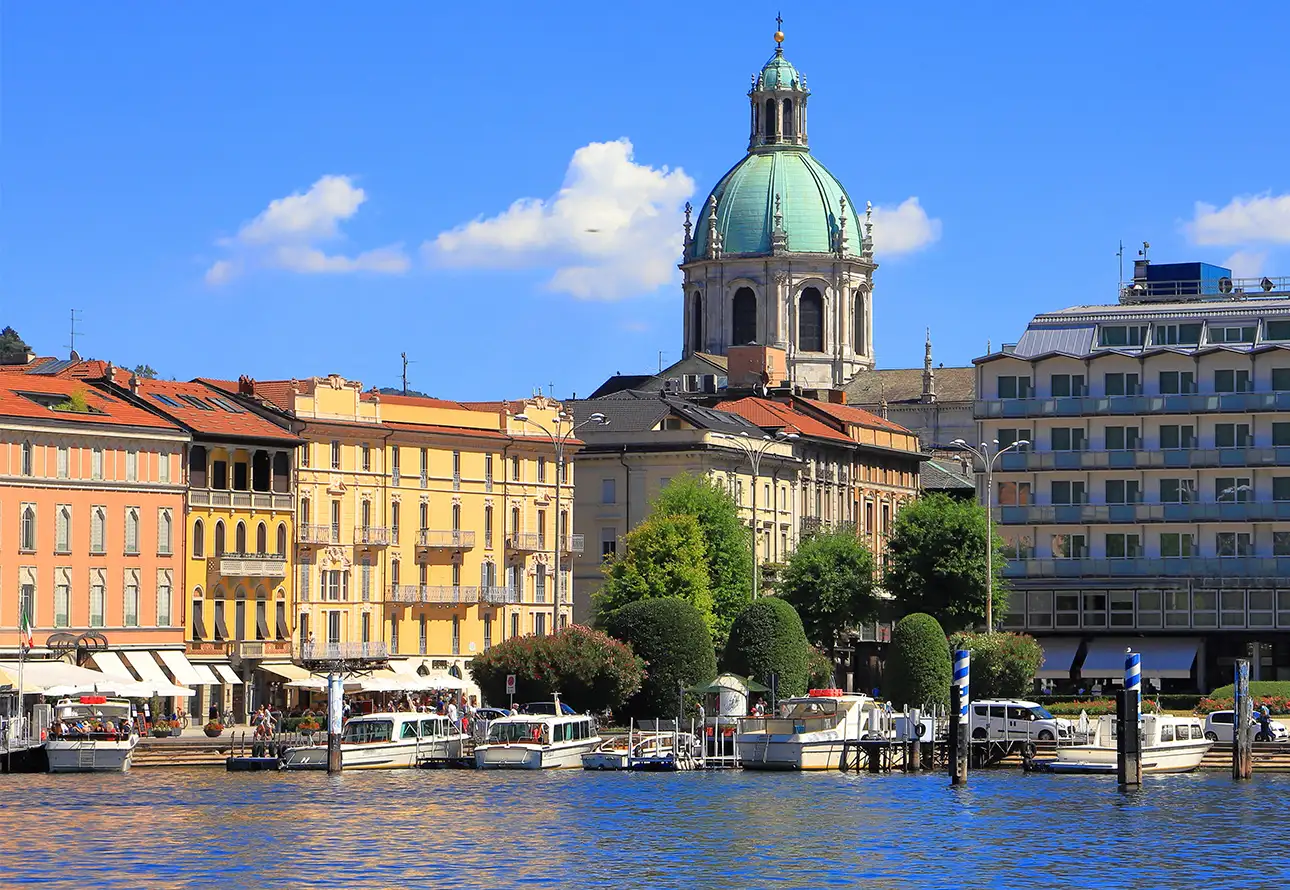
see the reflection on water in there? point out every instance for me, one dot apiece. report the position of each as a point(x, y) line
point(203, 828)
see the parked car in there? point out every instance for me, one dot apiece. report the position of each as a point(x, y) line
point(1218, 728)
point(1004, 719)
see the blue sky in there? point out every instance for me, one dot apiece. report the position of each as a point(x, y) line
point(142, 146)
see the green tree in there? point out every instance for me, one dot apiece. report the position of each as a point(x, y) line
point(13, 349)
point(729, 545)
point(918, 669)
point(672, 637)
point(590, 670)
point(829, 580)
point(767, 638)
point(1003, 664)
point(663, 556)
point(821, 673)
point(936, 562)
point(145, 372)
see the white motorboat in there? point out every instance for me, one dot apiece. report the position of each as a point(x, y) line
point(387, 740)
point(87, 736)
point(660, 751)
point(538, 741)
point(810, 732)
point(1169, 745)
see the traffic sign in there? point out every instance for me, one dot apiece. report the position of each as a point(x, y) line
point(510, 684)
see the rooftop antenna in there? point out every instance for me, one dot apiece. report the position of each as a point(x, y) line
point(75, 318)
point(1120, 254)
point(404, 356)
point(1146, 247)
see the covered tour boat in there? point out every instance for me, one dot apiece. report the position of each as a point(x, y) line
point(809, 733)
point(91, 733)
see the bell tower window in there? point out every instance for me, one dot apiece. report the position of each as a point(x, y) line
point(789, 129)
point(743, 317)
point(770, 121)
point(696, 323)
point(857, 321)
point(810, 321)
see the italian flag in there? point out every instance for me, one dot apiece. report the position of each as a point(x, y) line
point(25, 638)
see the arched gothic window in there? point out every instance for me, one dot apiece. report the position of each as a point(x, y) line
point(241, 537)
point(810, 321)
point(857, 321)
point(696, 323)
point(219, 537)
point(743, 314)
point(282, 539)
point(199, 538)
point(262, 538)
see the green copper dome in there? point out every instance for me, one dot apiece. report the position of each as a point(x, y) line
point(810, 199)
point(779, 74)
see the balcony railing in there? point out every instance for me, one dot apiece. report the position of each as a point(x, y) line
point(260, 500)
point(377, 649)
point(245, 565)
point(1146, 459)
point(423, 593)
point(208, 647)
point(571, 544)
point(1179, 567)
point(499, 596)
point(1080, 514)
point(263, 648)
point(529, 542)
point(318, 534)
point(373, 536)
point(446, 539)
point(1184, 403)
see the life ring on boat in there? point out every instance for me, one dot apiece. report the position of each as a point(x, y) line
point(537, 733)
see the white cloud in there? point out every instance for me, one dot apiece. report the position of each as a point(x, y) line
point(1260, 218)
point(1246, 263)
point(905, 228)
point(612, 230)
point(287, 236)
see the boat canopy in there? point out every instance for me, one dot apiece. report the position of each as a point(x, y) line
point(1059, 656)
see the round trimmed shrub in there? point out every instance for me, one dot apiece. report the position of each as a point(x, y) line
point(1003, 664)
point(672, 637)
point(918, 670)
point(767, 638)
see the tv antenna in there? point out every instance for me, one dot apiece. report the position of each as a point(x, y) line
point(71, 346)
point(404, 356)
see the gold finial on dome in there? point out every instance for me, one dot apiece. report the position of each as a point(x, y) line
point(779, 31)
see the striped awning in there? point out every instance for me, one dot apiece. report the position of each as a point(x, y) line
point(180, 668)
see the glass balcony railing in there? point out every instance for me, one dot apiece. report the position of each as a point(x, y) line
point(1082, 514)
point(1082, 406)
point(1143, 567)
point(1146, 459)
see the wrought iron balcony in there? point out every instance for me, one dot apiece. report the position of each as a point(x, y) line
point(431, 595)
point(373, 536)
point(571, 544)
point(526, 542)
point(445, 539)
point(373, 650)
point(246, 565)
point(499, 596)
point(318, 534)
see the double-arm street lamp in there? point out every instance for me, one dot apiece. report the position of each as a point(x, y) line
point(559, 439)
point(755, 449)
point(987, 459)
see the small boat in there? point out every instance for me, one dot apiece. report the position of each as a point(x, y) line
point(647, 751)
point(386, 740)
point(1169, 745)
point(810, 732)
point(555, 740)
point(86, 735)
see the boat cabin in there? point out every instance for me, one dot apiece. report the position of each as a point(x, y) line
point(541, 730)
point(90, 716)
point(389, 727)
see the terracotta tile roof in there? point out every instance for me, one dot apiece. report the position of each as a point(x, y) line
point(416, 401)
point(275, 392)
point(219, 414)
point(777, 415)
point(906, 385)
point(107, 409)
point(852, 414)
point(462, 431)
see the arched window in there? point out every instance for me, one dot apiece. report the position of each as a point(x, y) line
point(696, 323)
point(240, 537)
point(456, 517)
point(261, 538)
point(28, 531)
point(26, 459)
point(810, 321)
point(770, 121)
point(199, 538)
point(282, 539)
point(219, 537)
point(743, 314)
point(857, 322)
point(515, 520)
point(789, 128)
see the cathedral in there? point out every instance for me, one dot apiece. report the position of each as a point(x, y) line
point(779, 255)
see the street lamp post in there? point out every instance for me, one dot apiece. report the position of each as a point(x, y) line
point(755, 449)
point(559, 439)
point(987, 461)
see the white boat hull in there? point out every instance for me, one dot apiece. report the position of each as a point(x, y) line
point(376, 755)
point(524, 756)
point(761, 752)
point(605, 760)
point(1173, 758)
point(95, 756)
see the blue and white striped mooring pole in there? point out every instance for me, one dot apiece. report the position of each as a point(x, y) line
point(1133, 676)
point(962, 660)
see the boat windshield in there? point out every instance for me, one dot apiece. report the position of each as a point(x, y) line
point(802, 710)
point(521, 731)
point(362, 732)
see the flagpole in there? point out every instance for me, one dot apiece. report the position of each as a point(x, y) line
point(22, 711)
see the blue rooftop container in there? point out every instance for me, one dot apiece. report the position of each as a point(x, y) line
point(1184, 279)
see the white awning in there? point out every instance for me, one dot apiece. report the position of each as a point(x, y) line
point(226, 674)
point(179, 666)
point(409, 665)
point(1059, 654)
point(145, 666)
point(61, 678)
point(285, 669)
point(208, 677)
point(110, 663)
point(1164, 657)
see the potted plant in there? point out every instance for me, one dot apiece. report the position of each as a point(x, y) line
point(213, 729)
point(176, 728)
point(308, 726)
point(161, 730)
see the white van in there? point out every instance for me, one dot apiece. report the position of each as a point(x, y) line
point(1004, 719)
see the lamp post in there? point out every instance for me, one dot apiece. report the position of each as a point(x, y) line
point(988, 459)
point(755, 449)
point(559, 439)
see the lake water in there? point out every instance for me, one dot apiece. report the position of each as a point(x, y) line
point(433, 829)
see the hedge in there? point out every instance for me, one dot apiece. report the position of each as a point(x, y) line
point(918, 664)
point(672, 637)
point(1094, 707)
point(1169, 701)
point(1272, 688)
point(767, 638)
